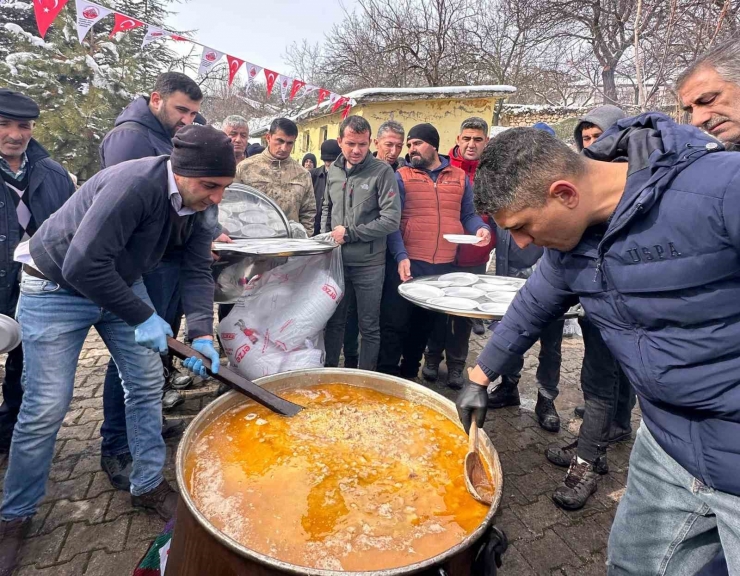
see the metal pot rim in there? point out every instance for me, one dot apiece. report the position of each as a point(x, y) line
point(488, 452)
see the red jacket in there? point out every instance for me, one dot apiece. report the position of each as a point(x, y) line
point(431, 210)
point(468, 255)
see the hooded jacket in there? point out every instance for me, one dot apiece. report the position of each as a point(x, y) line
point(661, 281)
point(365, 200)
point(285, 181)
point(602, 116)
point(137, 134)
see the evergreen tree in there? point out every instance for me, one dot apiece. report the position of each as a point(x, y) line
point(81, 88)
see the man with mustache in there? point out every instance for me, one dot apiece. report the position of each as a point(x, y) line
point(32, 188)
point(83, 268)
point(145, 128)
point(709, 90)
point(436, 199)
point(237, 128)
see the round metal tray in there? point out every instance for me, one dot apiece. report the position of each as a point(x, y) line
point(423, 303)
point(273, 247)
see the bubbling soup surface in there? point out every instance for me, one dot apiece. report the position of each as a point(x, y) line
point(358, 480)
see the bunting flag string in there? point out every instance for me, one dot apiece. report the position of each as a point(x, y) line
point(89, 13)
point(234, 65)
point(124, 24)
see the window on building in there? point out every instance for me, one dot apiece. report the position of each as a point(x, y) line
point(306, 141)
point(323, 134)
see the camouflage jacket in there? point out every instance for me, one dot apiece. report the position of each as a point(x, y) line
point(285, 181)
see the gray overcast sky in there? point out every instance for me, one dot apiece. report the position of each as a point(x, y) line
point(258, 31)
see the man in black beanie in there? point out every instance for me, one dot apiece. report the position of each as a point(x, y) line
point(83, 268)
point(330, 151)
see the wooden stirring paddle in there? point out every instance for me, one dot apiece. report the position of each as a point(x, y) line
point(476, 479)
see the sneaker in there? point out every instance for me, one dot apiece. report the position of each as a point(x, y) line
point(178, 380)
point(430, 371)
point(173, 427)
point(455, 378)
point(547, 416)
point(12, 534)
point(171, 399)
point(478, 328)
point(563, 455)
point(504, 396)
point(579, 411)
point(351, 362)
point(579, 484)
point(118, 470)
point(163, 500)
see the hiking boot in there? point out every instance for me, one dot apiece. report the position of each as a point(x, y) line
point(178, 380)
point(351, 362)
point(579, 484)
point(118, 470)
point(171, 399)
point(478, 328)
point(579, 411)
point(455, 378)
point(12, 534)
point(163, 500)
point(563, 455)
point(173, 427)
point(619, 434)
point(547, 416)
point(430, 371)
point(504, 396)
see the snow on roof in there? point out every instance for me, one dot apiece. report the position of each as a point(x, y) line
point(367, 95)
point(517, 109)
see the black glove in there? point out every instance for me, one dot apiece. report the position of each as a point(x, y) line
point(488, 558)
point(472, 400)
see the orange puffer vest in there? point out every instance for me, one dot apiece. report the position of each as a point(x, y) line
point(431, 210)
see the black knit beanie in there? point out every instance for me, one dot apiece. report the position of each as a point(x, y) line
point(425, 132)
point(202, 151)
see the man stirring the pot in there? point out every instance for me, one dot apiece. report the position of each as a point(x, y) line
point(83, 268)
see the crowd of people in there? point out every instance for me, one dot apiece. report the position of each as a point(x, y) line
point(640, 224)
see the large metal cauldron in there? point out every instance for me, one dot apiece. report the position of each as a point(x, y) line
point(199, 549)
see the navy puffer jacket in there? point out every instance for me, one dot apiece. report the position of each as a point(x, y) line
point(662, 283)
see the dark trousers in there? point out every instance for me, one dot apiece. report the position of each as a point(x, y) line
point(607, 391)
point(163, 286)
point(12, 388)
point(548, 369)
point(405, 327)
point(451, 334)
point(352, 332)
point(364, 285)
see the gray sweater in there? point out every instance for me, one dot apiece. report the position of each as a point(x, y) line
point(116, 227)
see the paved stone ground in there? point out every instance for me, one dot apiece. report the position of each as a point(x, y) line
point(85, 527)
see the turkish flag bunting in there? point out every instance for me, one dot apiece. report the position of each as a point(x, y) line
point(347, 108)
point(339, 102)
point(323, 95)
point(46, 12)
point(297, 85)
point(285, 83)
point(234, 65)
point(252, 71)
point(178, 38)
point(124, 24)
point(270, 77)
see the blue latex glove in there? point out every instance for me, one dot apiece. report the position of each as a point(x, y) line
point(152, 334)
point(205, 347)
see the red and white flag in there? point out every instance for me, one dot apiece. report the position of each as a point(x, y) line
point(308, 88)
point(252, 71)
point(234, 65)
point(208, 59)
point(347, 108)
point(285, 84)
point(124, 24)
point(323, 95)
point(270, 77)
point(336, 100)
point(88, 14)
point(153, 33)
point(297, 85)
point(46, 12)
